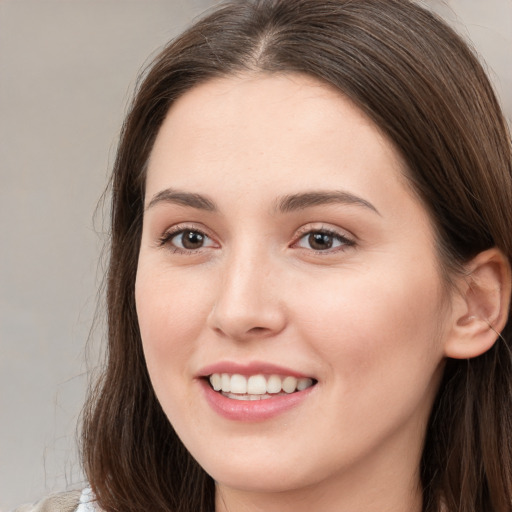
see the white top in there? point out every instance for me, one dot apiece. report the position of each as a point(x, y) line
point(87, 502)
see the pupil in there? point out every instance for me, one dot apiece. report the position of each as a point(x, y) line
point(320, 241)
point(192, 240)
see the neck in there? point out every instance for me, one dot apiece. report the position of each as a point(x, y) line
point(287, 502)
point(369, 488)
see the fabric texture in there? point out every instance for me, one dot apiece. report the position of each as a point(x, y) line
point(87, 502)
point(62, 502)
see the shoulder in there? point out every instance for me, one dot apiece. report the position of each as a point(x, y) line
point(71, 501)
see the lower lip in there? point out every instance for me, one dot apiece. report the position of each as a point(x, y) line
point(252, 410)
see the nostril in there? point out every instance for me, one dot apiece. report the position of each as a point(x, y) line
point(257, 330)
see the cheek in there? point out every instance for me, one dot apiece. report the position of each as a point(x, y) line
point(171, 314)
point(375, 326)
point(380, 343)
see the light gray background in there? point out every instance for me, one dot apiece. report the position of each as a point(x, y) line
point(67, 68)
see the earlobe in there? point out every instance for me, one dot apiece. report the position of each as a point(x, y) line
point(481, 308)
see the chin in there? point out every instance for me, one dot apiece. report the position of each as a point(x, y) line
point(263, 472)
point(260, 480)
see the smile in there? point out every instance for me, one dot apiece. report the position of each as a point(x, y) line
point(257, 387)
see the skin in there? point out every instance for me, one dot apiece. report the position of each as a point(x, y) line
point(368, 319)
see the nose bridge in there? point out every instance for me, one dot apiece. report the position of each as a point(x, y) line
point(247, 302)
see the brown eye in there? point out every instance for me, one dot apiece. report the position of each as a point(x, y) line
point(320, 241)
point(192, 239)
point(323, 241)
point(188, 240)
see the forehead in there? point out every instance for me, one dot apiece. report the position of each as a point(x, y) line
point(288, 129)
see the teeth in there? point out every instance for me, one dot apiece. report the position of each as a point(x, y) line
point(258, 386)
point(289, 384)
point(225, 382)
point(303, 384)
point(274, 384)
point(216, 381)
point(238, 384)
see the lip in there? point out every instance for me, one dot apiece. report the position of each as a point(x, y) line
point(252, 410)
point(251, 368)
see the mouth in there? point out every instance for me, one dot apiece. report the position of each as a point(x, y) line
point(258, 386)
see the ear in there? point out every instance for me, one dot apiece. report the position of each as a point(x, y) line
point(480, 308)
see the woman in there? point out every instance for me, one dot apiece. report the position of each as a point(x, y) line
point(309, 285)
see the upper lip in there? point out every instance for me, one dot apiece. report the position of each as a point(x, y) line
point(250, 368)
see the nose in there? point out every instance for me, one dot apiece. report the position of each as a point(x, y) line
point(248, 303)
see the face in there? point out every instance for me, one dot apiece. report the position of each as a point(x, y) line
point(288, 290)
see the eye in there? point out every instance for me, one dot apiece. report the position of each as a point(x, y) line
point(323, 240)
point(187, 240)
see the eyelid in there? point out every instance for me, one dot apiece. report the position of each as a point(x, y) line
point(164, 239)
point(348, 239)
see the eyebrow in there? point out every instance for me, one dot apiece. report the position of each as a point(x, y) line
point(285, 204)
point(305, 200)
point(192, 200)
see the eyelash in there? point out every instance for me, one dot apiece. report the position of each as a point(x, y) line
point(344, 241)
point(166, 239)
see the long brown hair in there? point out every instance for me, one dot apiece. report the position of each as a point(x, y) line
point(419, 82)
